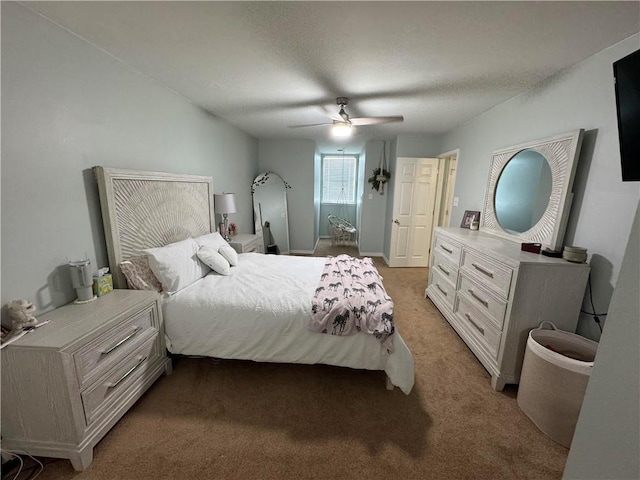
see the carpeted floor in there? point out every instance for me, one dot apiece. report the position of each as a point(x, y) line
point(244, 420)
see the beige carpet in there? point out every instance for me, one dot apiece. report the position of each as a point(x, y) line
point(244, 420)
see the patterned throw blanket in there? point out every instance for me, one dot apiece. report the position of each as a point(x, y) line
point(350, 298)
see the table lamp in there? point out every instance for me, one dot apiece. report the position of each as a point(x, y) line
point(224, 204)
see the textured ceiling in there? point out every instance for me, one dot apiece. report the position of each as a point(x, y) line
point(266, 65)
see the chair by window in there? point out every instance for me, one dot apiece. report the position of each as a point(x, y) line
point(341, 231)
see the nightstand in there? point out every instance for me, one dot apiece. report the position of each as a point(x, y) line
point(247, 242)
point(66, 383)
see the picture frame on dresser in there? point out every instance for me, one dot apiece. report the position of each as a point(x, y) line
point(469, 217)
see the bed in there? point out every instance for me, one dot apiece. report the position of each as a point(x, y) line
point(238, 315)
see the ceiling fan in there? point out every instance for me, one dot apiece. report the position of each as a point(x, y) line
point(342, 125)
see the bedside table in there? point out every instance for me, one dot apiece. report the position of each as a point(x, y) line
point(247, 242)
point(65, 384)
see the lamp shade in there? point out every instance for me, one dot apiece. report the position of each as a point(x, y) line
point(225, 203)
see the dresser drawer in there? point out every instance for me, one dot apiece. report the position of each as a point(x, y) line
point(98, 356)
point(479, 326)
point(495, 275)
point(444, 266)
point(483, 300)
point(449, 250)
point(443, 288)
point(110, 388)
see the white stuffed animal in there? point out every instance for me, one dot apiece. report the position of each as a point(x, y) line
point(21, 314)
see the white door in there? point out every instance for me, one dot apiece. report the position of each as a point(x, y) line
point(413, 210)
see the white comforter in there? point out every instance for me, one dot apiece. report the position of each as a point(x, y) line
point(261, 312)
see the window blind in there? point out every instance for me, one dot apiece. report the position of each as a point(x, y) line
point(339, 179)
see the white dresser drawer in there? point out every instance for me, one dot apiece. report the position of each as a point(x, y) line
point(479, 326)
point(443, 288)
point(109, 389)
point(450, 250)
point(483, 300)
point(96, 357)
point(495, 275)
point(445, 266)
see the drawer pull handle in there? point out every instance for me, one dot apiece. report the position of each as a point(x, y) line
point(480, 299)
point(444, 270)
point(116, 345)
point(131, 370)
point(442, 289)
point(483, 270)
point(448, 250)
point(480, 329)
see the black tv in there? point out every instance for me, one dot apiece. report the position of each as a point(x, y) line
point(626, 72)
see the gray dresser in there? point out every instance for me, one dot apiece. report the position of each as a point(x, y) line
point(493, 294)
point(65, 384)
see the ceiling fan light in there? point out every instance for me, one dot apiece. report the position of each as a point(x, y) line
point(341, 129)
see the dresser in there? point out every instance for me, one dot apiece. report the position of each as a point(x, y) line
point(493, 294)
point(246, 243)
point(66, 383)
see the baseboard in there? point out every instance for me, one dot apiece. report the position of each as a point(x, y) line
point(302, 252)
point(369, 254)
point(386, 260)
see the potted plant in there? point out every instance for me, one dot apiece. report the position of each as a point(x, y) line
point(379, 178)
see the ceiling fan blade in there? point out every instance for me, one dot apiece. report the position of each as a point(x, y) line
point(308, 125)
point(375, 120)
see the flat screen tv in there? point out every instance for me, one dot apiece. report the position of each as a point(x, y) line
point(626, 72)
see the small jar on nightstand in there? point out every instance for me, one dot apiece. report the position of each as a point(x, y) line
point(246, 243)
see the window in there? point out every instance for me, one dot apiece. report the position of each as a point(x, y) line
point(339, 176)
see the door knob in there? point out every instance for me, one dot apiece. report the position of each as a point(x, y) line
point(396, 222)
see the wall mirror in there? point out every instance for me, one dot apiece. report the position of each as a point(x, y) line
point(529, 191)
point(270, 214)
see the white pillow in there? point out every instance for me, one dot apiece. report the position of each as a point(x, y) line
point(176, 265)
point(214, 260)
point(228, 252)
point(213, 240)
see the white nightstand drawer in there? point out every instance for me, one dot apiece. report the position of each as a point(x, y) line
point(251, 246)
point(110, 388)
point(98, 356)
point(247, 243)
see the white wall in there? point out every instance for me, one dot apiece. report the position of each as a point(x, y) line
point(66, 107)
point(294, 161)
point(606, 443)
point(603, 208)
point(372, 211)
point(317, 185)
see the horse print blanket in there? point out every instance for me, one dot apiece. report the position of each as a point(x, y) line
point(350, 298)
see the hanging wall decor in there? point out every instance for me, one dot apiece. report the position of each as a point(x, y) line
point(380, 174)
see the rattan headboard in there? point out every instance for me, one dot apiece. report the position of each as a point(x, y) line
point(150, 209)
